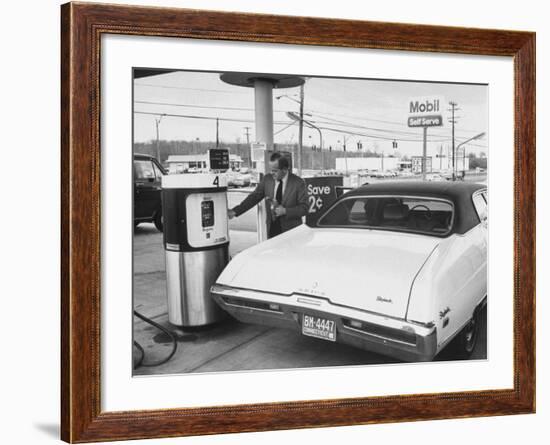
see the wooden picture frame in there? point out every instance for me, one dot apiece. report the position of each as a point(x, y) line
point(82, 26)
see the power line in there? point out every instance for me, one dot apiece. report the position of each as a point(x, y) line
point(171, 104)
point(395, 134)
point(289, 124)
point(383, 121)
point(375, 136)
point(194, 116)
point(189, 116)
point(363, 118)
point(343, 124)
point(332, 121)
point(209, 107)
point(310, 111)
point(283, 129)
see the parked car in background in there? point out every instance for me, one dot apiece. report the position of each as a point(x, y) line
point(406, 174)
point(435, 177)
point(382, 174)
point(376, 174)
point(397, 267)
point(147, 190)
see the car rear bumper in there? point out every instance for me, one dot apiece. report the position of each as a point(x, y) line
point(366, 330)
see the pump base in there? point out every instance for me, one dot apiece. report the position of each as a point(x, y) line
point(189, 276)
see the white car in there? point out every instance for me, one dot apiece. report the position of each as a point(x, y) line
point(238, 179)
point(435, 177)
point(398, 268)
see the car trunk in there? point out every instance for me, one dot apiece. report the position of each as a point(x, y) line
point(359, 268)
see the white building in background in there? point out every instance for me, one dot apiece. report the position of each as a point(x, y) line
point(197, 163)
point(445, 163)
point(435, 164)
point(371, 163)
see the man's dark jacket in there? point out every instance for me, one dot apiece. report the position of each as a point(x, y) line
point(294, 200)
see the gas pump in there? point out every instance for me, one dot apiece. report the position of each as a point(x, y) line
point(196, 241)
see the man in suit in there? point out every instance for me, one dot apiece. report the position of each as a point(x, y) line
point(285, 194)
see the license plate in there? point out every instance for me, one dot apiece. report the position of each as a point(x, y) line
point(318, 327)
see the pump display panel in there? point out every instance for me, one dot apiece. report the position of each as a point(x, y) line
point(206, 219)
point(207, 211)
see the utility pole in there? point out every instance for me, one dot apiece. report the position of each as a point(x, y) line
point(157, 122)
point(301, 131)
point(217, 132)
point(248, 148)
point(453, 122)
point(346, 154)
point(296, 117)
point(424, 152)
point(345, 139)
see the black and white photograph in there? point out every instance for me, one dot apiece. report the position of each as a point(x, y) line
point(269, 222)
point(290, 221)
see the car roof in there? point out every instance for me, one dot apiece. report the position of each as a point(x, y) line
point(458, 192)
point(448, 189)
point(144, 157)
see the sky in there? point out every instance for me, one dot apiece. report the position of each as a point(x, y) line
point(373, 112)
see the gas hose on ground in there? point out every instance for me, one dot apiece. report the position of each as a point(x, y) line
point(142, 351)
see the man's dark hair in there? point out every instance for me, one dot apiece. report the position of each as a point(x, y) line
point(282, 160)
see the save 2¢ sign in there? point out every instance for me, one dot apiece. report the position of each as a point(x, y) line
point(321, 193)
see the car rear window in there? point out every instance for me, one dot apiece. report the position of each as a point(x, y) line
point(409, 214)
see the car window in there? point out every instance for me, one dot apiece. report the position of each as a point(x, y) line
point(481, 206)
point(420, 215)
point(158, 171)
point(144, 169)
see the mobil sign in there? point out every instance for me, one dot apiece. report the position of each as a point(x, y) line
point(426, 105)
point(425, 111)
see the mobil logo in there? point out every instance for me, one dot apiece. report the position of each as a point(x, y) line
point(426, 104)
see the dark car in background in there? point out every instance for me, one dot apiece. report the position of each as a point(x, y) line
point(147, 190)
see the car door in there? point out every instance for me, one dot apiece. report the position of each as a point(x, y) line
point(146, 189)
point(480, 241)
point(157, 187)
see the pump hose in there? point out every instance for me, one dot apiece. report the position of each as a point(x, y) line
point(142, 351)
